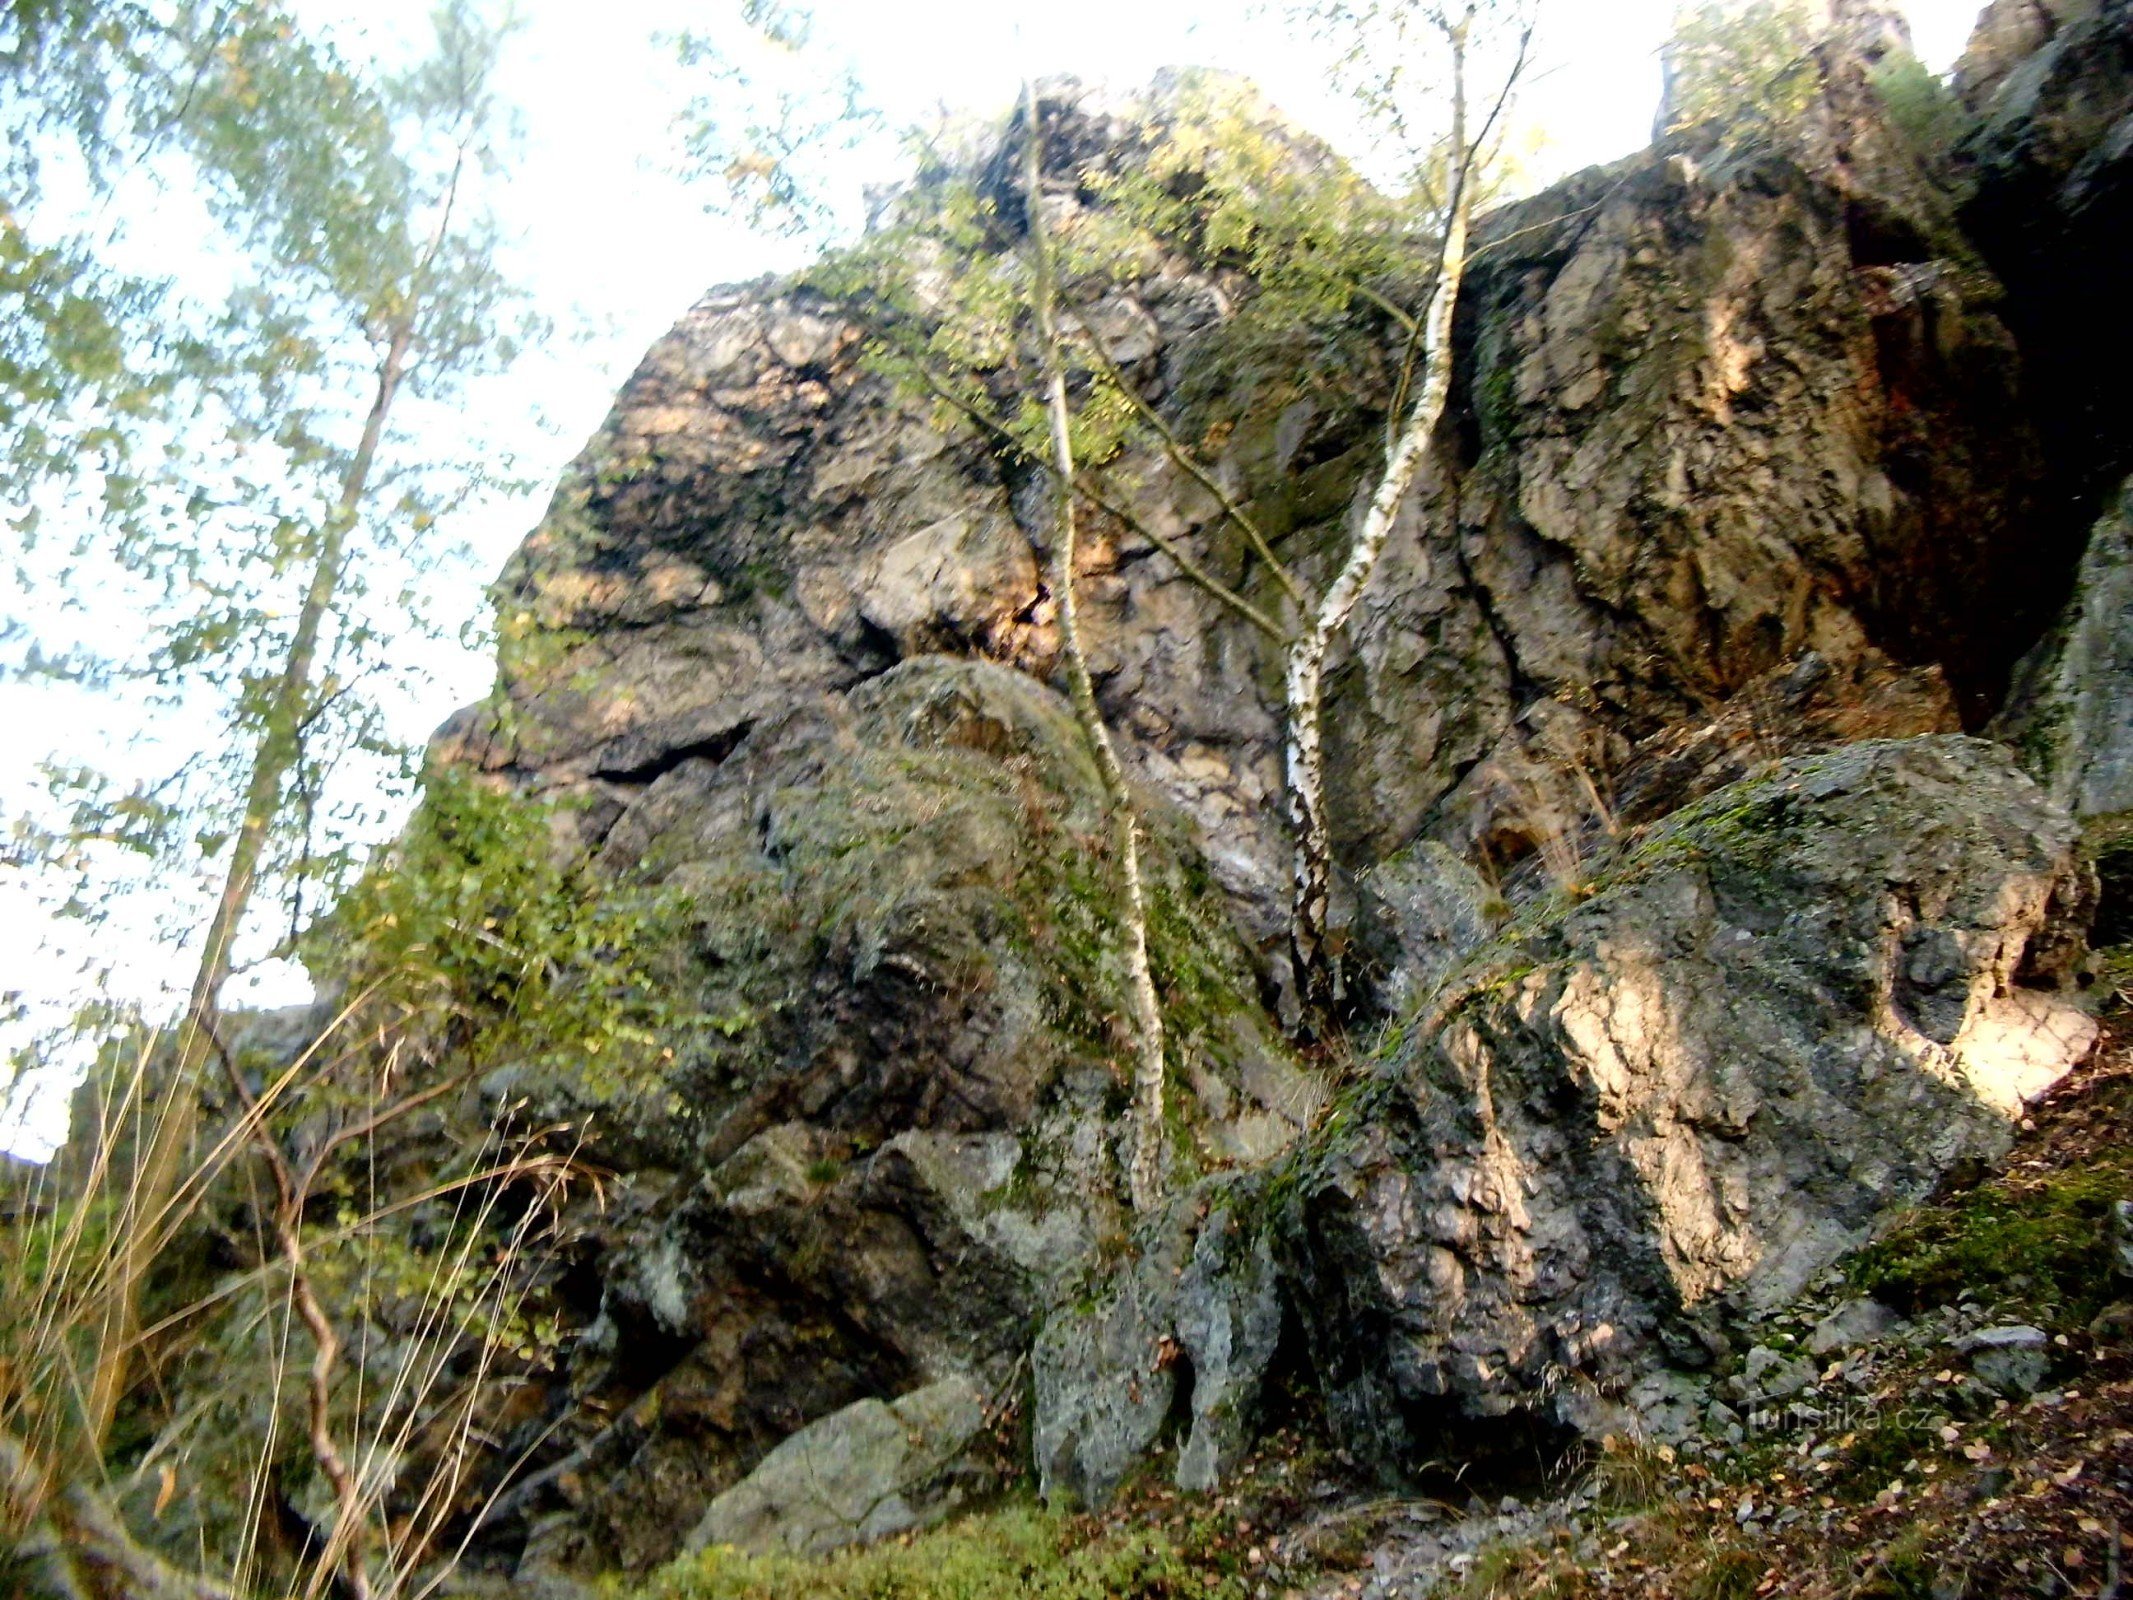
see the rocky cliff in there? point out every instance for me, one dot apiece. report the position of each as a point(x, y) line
point(1706, 894)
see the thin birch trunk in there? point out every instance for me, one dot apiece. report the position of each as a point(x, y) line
point(153, 1201)
point(1305, 680)
point(1145, 1168)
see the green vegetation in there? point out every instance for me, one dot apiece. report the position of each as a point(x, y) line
point(2047, 1231)
point(1748, 66)
point(1904, 1569)
point(1017, 1552)
point(356, 1266)
point(477, 936)
point(1728, 1573)
point(1920, 107)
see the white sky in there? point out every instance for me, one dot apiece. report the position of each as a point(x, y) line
point(615, 248)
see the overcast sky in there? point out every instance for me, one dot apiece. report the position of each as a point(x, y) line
point(614, 247)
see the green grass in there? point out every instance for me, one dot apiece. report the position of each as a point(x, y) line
point(1730, 1573)
point(1016, 1552)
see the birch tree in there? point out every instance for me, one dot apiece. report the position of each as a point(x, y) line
point(364, 272)
point(1304, 762)
point(1410, 68)
point(1145, 1170)
point(1314, 244)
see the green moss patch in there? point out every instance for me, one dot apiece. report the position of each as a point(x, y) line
point(1018, 1552)
point(2038, 1238)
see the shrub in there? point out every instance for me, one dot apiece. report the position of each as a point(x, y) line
point(1920, 107)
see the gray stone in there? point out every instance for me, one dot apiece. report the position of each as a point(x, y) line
point(1201, 1301)
point(2012, 1359)
point(2008, 33)
point(1723, 1420)
point(1856, 1322)
point(2122, 1237)
point(1102, 1388)
point(1768, 1375)
point(1438, 909)
point(947, 581)
point(1666, 1405)
point(1228, 1319)
point(860, 1474)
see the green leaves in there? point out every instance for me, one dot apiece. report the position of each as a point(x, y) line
point(1746, 65)
point(477, 938)
point(187, 462)
point(769, 134)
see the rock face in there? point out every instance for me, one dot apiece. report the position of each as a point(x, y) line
point(896, 1135)
point(2008, 34)
point(2071, 714)
point(1728, 404)
point(1790, 1009)
point(1701, 934)
point(2051, 172)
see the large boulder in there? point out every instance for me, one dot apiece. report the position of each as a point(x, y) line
point(1796, 1006)
point(858, 1475)
point(1196, 1318)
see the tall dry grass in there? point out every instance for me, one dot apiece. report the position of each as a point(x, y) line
point(356, 1361)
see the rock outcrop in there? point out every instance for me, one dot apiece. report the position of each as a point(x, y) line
point(2071, 714)
point(1699, 932)
point(1790, 1010)
point(1726, 404)
point(1736, 476)
point(2050, 172)
point(860, 1474)
point(1197, 1317)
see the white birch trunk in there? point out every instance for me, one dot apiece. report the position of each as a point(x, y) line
point(1145, 1166)
point(1305, 684)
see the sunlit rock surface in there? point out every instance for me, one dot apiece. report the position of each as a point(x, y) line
point(1695, 1080)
